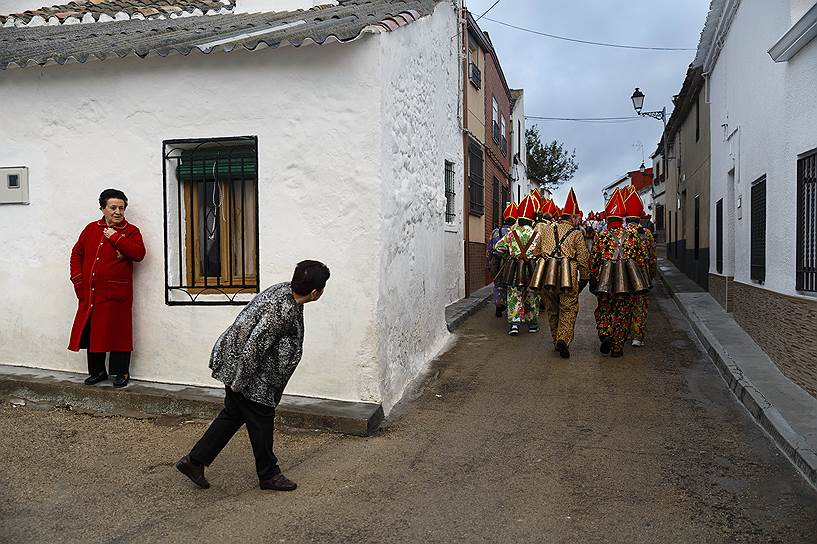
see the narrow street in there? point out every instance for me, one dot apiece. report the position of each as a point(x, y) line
point(506, 443)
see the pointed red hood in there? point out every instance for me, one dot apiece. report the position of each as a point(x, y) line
point(633, 206)
point(615, 208)
point(510, 211)
point(571, 206)
point(526, 208)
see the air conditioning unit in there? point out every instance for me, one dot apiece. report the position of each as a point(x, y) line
point(14, 185)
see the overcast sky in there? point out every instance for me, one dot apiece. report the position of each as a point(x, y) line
point(563, 79)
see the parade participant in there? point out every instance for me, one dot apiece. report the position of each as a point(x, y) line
point(614, 311)
point(254, 358)
point(495, 259)
point(519, 243)
point(634, 210)
point(102, 274)
point(561, 239)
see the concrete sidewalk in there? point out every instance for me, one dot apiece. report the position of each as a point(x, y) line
point(784, 410)
point(457, 312)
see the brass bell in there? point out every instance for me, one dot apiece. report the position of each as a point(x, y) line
point(565, 275)
point(551, 273)
point(510, 272)
point(620, 284)
point(523, 276)
point(637, 281)
point(605, 278)
point(538, 277)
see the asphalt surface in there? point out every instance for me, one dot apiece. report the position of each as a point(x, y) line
point(506, 442)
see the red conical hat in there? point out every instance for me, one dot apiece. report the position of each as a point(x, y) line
point(526, 208)
point(615, 208)
point(550, 208)
point(538, 199)
point(510, 211)
point(633, 206)
point(571, 206)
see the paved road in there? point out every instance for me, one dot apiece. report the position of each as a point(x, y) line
point(508, 443)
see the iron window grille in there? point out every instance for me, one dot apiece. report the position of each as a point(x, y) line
point(807, 223)
point(476, 181)
point(719, 236)
point(697, 234)
point(474, 75)
point(758, 231)
point(503, 139)
point(450, 209)
point(211, 220)
point(495, 206)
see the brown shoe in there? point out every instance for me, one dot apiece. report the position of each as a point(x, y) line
point(279, 482)
point(193, 471)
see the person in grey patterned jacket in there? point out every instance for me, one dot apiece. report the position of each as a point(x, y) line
point(254, 358)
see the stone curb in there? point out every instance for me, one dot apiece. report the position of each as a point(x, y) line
point(457, 312)
point(791, 443)
point(149, 399)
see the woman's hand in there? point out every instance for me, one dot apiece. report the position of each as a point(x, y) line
point(108, 232)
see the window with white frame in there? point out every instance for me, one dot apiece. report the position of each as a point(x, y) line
point(495, 119)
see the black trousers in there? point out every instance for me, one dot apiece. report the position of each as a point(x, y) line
point(118, 363)
point(238, 410)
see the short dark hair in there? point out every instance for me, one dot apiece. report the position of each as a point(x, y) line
point(509, 221)
point(524, 222)
point(309, 276)
point(107, 194)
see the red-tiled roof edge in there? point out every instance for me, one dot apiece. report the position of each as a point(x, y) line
point(641, 181)
point(401, 19)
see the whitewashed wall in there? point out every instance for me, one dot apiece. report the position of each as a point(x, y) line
point(762, 116)
point(521, 184)
point(315, 111)
point(421, 131)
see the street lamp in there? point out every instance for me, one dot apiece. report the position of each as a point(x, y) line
point(642, 168)
point(638, 104)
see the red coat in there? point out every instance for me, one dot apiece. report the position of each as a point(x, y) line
point(102, 274)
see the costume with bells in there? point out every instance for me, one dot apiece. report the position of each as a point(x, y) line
point(519, 244)
point(496, 260)
point(562, 239)
point(634, 211)
point(615, 310)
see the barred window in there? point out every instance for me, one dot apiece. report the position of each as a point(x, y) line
point(758, 231)
point(496, 213)
point(807, 222)
point(719, 236)
point(450, 204)
point(697, 234)
point(211, 220)
point(476, 181)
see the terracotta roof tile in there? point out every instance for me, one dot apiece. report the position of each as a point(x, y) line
point(108, 7)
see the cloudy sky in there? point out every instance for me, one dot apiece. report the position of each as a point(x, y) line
point(563, 79)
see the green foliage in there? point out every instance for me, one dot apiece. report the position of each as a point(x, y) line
point(551, 163)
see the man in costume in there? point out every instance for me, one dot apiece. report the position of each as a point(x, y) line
point(495, 259)
point(614, 311)
point(518, 244)
point(562, 239)
point(634, 210)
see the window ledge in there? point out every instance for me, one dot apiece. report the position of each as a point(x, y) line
point(798, 36)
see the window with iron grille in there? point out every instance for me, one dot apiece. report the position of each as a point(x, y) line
point(450, 209)
point(758, 231)
point(659, 217)
point(807, 222)
point(719, 236)
point(211, 220)
point(476, 181)
point(495, 119)
point(697, 250)
point(503, 138)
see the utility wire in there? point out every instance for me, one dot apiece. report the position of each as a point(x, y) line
point(602, 44)
point(484, 13)
point(602, 120)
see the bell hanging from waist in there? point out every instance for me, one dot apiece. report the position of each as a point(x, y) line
point(551, 280)
point(605, 278)
point(524, 275)
point(509, 276)
point(565, 275)
point(620, 284)
point(538, 276)
point(638, 283)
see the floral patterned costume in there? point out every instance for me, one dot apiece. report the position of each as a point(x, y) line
point(614, 312)
point(523, 304)
point(495, 261)
point(638, 328)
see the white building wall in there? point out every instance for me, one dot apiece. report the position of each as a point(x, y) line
point(520, 186)
point(422, 264)
point(762, 116)
point(83, 128)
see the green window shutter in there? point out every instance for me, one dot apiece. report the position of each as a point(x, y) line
point(223, 164)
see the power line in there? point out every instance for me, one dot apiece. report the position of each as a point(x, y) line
point(602, 120)
point(484, 13)
point(587, 42)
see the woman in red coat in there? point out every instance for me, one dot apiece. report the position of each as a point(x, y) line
point(102, 274)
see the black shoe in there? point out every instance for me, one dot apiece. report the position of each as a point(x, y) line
point(120, 380)
point(499, 310)
point(96, 378)
point(193, 471)
point(514, 330)
point(279, 482)
point(561, 347)
point(616, 353)
point(533, 327)
point(606, 344)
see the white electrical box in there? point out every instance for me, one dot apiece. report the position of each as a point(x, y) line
point(14, 185)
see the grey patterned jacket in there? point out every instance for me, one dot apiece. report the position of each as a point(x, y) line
point(258, 353)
